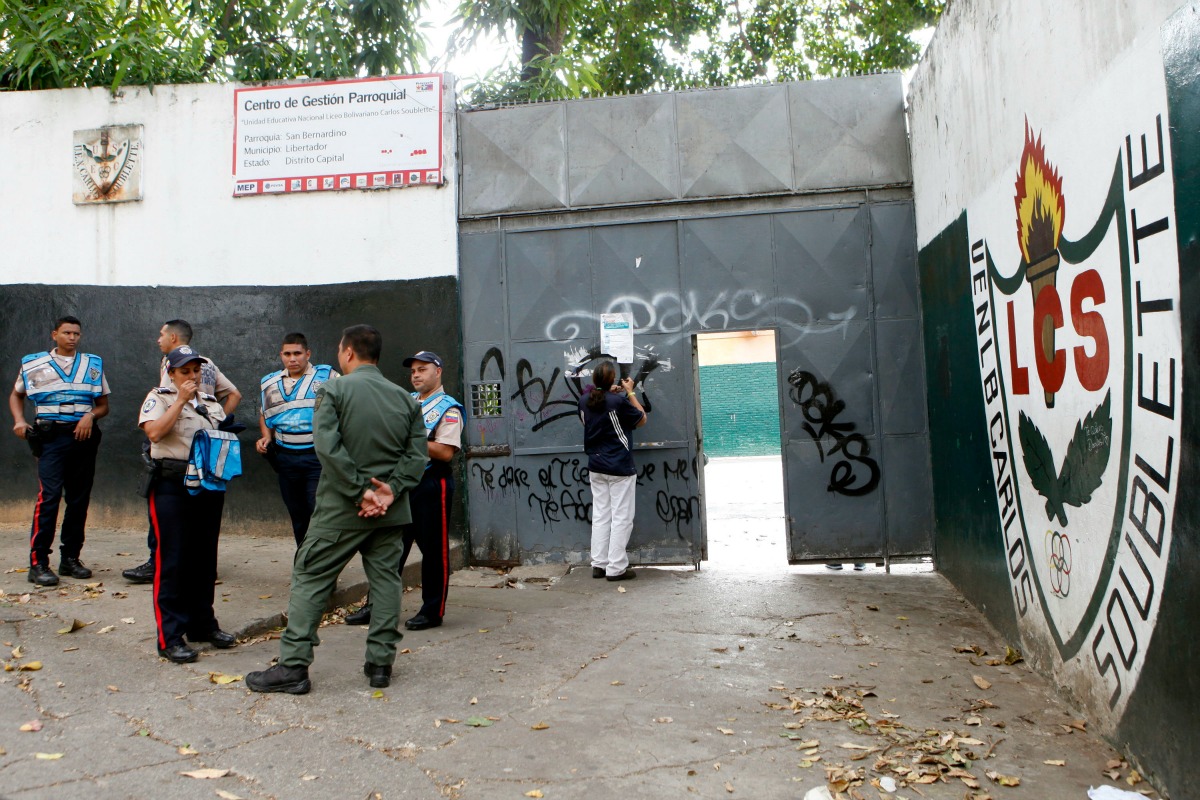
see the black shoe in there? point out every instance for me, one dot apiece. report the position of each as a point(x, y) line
point(180, 653)
point(73, 568)
point(597, 572)
point(379, 675)
point(420, 622)
point(627, 575)
point(217, 638)
point(360, 617)
point(833, 566)
point(142, 573)
point(859, 567)
point(293, 680)
point(42, 576)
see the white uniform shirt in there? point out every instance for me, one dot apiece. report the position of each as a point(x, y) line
point(178, 441)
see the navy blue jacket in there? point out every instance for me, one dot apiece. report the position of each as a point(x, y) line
point(608, 434)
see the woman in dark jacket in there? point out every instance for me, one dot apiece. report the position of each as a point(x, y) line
point(610, 411)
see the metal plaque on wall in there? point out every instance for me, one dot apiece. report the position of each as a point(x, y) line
point(107, 165)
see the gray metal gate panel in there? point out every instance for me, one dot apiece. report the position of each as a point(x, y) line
point(828, 376)
point(824, 256)
point(637, 272)
point(547, 273)
point(491, 484)
point(544, 396)
point(733, 143)
point(901, 399)
point(622, 150)
point(908, 485)
point(481, 287)
point(894, 260)
point(517, 160)
point(824, 524)
point(849, 132)
point(728, 274)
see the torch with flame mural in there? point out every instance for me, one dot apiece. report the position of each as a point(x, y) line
point(1041, 208)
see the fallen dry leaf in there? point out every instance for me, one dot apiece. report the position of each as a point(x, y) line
point(206, 774)
point(112, 688)
point(187, 750)
point(18, 652)
point(74, 626)
point(663, 720)
point(729, 787)
point(32, 666)
point(224, 795)
point(221, 679)
point(479, 722)
point(981, 682)
point(128, 620)
point(621, 589)
point(33, 726)
point(1003, 780)
point(1134, 778)
point(264, 597)
point(474, 701)
point(726, 731)
point(617, 683)
point(541, 726)
point(1055, 762)
point(107, 628)
point(534, 793)
point(48, 756)
point(378, 694)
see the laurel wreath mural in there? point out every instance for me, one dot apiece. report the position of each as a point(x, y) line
point(1083, 468)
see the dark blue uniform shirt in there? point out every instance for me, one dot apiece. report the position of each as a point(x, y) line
point(608, 434)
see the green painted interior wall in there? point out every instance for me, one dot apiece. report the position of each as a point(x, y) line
point(968, 543)
point(740, 409)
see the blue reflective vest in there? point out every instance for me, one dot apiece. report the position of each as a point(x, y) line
point(433, 408)
point(62, 396)
point(215, 459)
point(290, 416)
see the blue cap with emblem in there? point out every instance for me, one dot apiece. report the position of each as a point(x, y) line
point(428, 356)
point(182, 355)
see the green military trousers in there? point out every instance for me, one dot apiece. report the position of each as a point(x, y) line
point(319, 560)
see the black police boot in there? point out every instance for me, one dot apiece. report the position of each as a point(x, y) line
point(293, 680)
point(360, 617)
point(627, 575)
point(42, 576)
point(420, 622)
point(142, 573)
point(217, 638)
point(73, 568)
point(179, 652)
point(597, 572)
point(379, 675)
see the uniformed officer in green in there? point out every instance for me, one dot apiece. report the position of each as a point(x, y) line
point(371, 441)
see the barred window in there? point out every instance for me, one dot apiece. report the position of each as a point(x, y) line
point(485, 399)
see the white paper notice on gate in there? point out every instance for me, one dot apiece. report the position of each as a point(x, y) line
point(370, 133)
point(616, 336)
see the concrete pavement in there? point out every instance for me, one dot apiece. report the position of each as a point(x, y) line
point(718, 683)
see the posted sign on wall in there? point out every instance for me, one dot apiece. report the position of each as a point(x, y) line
point(374, 133)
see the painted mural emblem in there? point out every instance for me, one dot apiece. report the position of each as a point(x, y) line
point(108, 164)
point(1080, 358)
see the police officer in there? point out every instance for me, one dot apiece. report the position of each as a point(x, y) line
point(431, 500)
point(371, 443)
point(70, 393)
point(285, 421)
point(176, 333)
point(185, 525)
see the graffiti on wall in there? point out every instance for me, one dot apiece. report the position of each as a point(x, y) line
point(1080, 357)
point(683, 313)
point(854, 472)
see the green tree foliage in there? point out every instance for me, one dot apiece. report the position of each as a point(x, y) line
point(574, 48)
point(48, 44)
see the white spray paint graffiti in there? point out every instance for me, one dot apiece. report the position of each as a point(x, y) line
point(682, 314)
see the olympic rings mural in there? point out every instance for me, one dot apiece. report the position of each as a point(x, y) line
point(1059, 548)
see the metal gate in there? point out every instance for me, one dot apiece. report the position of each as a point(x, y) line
point(834, 274)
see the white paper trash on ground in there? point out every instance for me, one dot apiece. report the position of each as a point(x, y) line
point(819, 793)
point(1111, 793)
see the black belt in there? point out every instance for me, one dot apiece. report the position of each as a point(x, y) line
point(171, 467)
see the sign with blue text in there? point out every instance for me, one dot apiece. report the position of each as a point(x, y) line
point(372, 133)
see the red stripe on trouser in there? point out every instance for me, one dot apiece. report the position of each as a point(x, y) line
point(445, 549)
point(37, 514)
point(162, 642)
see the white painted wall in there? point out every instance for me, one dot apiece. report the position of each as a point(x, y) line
point(189, 229)
point(990, 63)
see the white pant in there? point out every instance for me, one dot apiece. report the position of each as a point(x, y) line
point(612, 520)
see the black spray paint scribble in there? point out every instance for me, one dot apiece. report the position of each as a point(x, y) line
point(540, 395)
point(821, 409)
point(562, 490)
